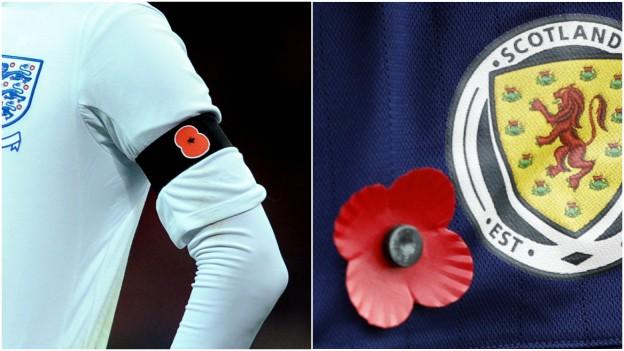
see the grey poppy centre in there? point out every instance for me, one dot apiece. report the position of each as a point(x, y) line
point(404, 245)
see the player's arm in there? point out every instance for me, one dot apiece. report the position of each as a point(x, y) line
point(240, 276)
point(209, 202)
point(143, 101)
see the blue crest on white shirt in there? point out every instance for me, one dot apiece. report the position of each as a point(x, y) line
point(19, 80)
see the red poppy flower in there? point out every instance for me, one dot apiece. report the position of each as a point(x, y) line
point(191, 142)
point(399, 250)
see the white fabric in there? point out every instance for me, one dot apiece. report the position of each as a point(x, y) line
point(135, 77)
point(114, 78)
point(215, 188)
point(240, 276)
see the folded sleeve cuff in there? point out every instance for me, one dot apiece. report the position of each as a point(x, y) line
point(218, 187)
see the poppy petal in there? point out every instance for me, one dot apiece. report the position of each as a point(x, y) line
point(425, 196)
point(378, 291)
point(444, 272)
point(361, 220)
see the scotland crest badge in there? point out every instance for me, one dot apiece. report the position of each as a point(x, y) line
point(19, 80)
point(535, 145)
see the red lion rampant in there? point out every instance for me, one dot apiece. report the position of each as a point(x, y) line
point(565, 124)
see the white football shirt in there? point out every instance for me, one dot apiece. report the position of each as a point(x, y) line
point(86, 87)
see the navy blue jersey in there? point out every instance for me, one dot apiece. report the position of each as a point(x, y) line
point(485, 93)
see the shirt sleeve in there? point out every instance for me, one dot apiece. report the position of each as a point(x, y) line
point(135, 79)
point(218, 187)
point(240, 276)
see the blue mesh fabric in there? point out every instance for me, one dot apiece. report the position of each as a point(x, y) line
point(384, 77)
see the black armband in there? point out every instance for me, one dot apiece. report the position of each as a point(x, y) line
point(183, 146)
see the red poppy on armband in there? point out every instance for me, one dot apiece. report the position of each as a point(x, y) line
point(399, 249)
point(180, 148)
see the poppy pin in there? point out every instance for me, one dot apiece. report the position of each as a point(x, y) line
point(399, 249)
point(191, 142)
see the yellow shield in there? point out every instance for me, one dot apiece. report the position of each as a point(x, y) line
point(558, 171)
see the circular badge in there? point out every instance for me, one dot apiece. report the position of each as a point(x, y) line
point(535, 145)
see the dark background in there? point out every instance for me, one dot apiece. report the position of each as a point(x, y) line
point(255, 58)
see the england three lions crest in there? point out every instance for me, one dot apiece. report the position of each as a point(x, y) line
point(19, 80)
point(536, 145)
